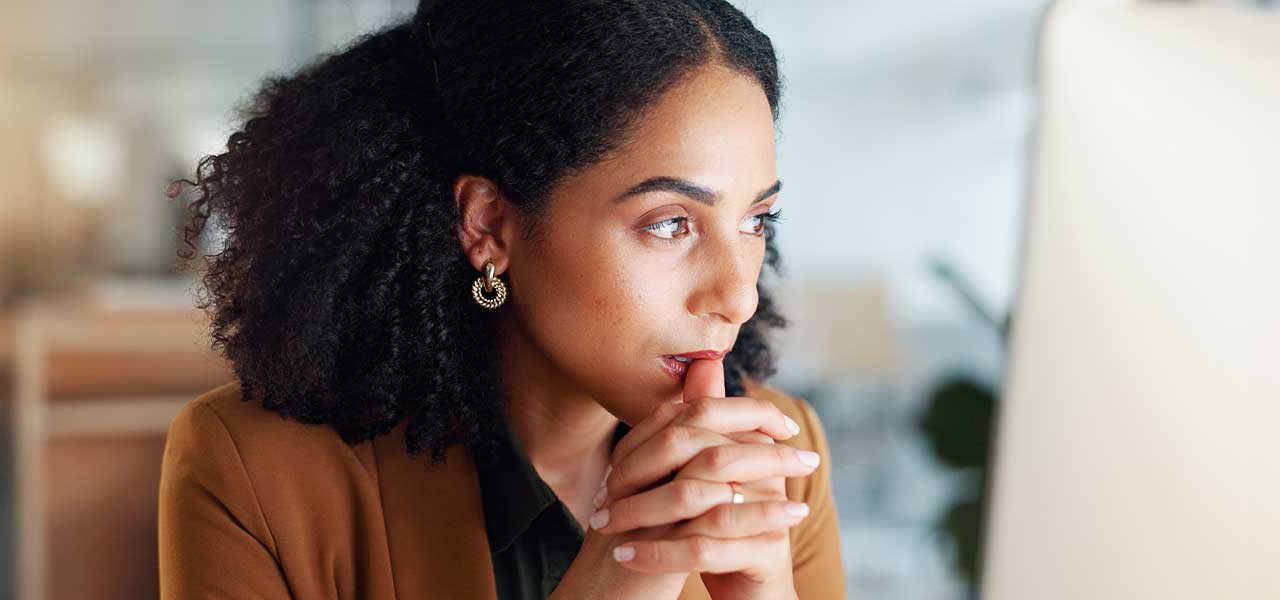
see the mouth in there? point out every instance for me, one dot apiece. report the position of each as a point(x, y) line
point(676, 365)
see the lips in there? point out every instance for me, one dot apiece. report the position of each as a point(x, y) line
point(700, 355)
point(676, 365)
point(676, 369)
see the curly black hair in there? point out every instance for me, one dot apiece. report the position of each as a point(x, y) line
point(340, 294)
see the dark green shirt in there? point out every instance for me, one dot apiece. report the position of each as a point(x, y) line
point(533, 537)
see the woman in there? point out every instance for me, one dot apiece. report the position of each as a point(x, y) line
point(496, 272)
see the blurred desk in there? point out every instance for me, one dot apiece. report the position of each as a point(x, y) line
point(94, 388)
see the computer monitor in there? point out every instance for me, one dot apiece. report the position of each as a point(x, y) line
point(1138, 435)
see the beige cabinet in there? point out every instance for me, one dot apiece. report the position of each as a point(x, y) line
point(93, 393)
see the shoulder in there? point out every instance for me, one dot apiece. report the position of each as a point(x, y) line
point(256, 431)
point(243, 485)
point(811, 436)
point(219, 433)
point(817, 563)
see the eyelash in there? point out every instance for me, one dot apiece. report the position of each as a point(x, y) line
point(769, 217)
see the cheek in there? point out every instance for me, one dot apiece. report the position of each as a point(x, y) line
point(598, 306)
point(603, 287)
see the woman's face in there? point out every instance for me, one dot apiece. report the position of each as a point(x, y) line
point(615, 281)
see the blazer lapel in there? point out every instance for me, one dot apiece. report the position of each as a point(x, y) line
point(434, 521)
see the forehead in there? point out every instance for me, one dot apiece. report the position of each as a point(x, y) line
point(713, 116)
point(714, 127)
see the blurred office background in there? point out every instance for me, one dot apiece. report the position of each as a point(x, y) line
point(904, 143)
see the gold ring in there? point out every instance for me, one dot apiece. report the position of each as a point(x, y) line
point(736, 496)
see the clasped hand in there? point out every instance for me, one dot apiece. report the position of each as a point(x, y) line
point(672, 481)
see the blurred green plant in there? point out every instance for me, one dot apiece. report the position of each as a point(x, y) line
point(957, 422)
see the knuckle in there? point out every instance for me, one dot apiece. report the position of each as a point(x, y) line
point(775, 536)
point(725, 518)
point(687, 493)
point(775, 512)
point(701, 549)
point(668, 410)
point(701, 409)
point(674, 437)
point(622, 513)
point(719, 457)
point(617, 477)
point(649, 553)
point(766, 407)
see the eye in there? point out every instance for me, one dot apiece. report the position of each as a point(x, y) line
point(669, 229)
point(757, 221)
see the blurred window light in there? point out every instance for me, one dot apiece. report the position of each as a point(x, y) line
point(84, 157)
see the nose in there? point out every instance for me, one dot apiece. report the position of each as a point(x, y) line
point(726, 285)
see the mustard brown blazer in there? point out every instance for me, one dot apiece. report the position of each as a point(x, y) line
point(253, 505)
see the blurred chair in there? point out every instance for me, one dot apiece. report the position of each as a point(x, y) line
point(95, 388)
point(839, 339)
point(839, 328)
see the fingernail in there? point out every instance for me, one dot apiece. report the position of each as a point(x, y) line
point(598, 501)
point(797, 509)
point(809, 458)
point(599, 519)
point(792, 426)
point(624, 553)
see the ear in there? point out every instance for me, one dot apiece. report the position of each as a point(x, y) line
point(488, 222)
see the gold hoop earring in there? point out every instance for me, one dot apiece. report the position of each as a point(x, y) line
point(489, 283)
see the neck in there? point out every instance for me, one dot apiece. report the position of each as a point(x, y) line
point(556, 422)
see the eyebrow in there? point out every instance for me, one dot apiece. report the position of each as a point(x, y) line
point(688, 188)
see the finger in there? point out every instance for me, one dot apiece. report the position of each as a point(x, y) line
point(739, 413)
point(704, 379)
point(742, 520)
point(670, 502)
point(639, 472)
point(751, 437)
point(664, 453)
point(750, 462)
point(704, 554)
point(661, 417)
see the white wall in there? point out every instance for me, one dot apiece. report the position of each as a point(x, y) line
point(903, 136)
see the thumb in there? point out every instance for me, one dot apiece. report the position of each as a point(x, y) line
point(705, 379)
